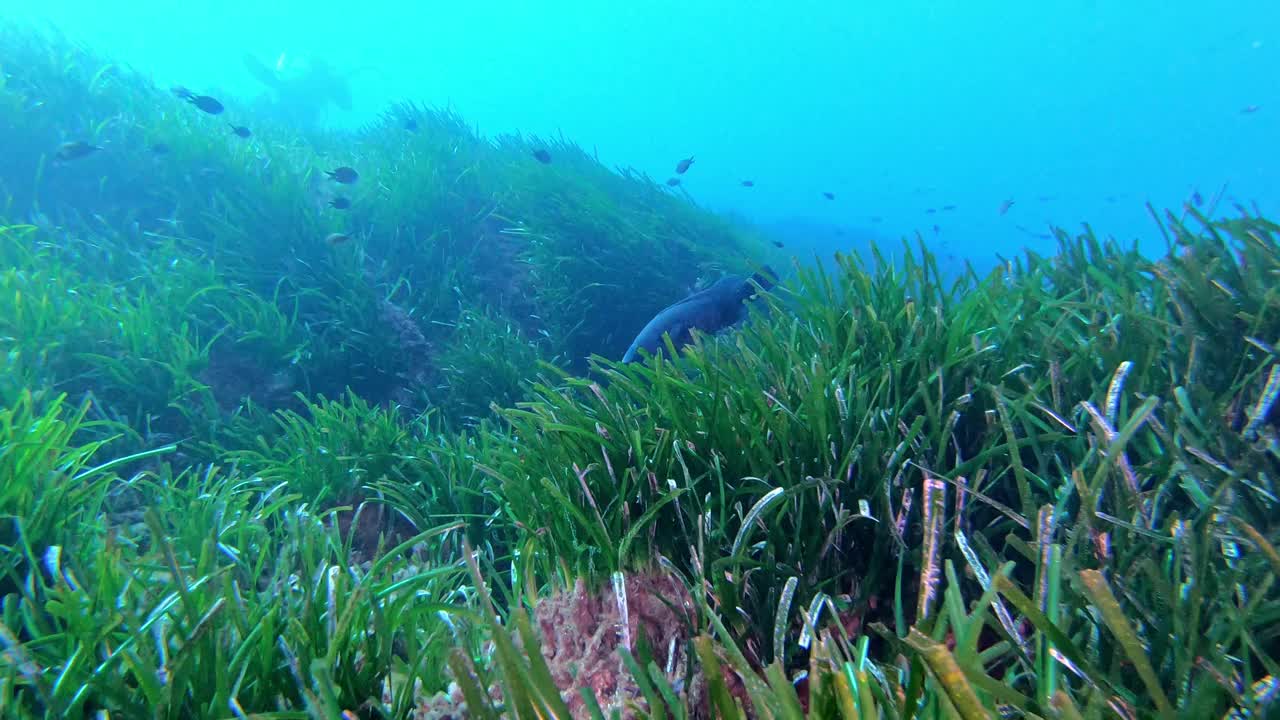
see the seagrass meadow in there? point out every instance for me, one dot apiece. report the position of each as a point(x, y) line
point(248, 473)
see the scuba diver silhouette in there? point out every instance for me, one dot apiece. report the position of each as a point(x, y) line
point(302, 88)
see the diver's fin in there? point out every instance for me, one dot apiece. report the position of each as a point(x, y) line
point(765, 278)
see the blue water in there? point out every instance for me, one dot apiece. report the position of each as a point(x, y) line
point(1075, 111)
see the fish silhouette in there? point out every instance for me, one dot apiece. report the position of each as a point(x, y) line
point(709, 311)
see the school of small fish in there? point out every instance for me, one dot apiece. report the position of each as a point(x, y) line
point(346, 175)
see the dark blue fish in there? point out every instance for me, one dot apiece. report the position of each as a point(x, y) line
point(345, 175)
point(207, 104)
point(709, 311)
point(75, 150)
point(204, 102)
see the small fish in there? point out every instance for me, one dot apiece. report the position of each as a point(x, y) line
point(748, 183)
point(936, 229)
point(673, 182)
point(344, 175)
point(75, 150)
point(931, 211)
point(777, 243)
point(160, 149)
point(683, 165)
point(1045, 198)
point(1004, 206)
point(876, 219)
point(337, 238)
point(411, 125)
point(1197, 198)
point(948, 208)
point(1250, 109)
point(829, 196)
point(339, 203)
point(204, 102)
point(207, 104)
point(542, 156)
point(241, 131)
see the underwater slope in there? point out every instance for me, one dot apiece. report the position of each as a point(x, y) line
point(1049, 490)
point(382, 275)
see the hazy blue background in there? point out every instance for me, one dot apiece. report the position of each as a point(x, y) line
point(893, 106)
